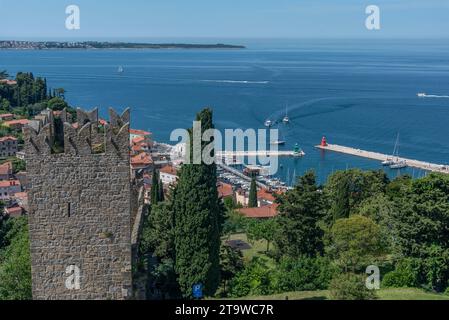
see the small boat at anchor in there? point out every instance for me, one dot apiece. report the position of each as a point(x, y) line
point(268, 123)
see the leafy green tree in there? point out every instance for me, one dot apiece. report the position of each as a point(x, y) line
point(252, 201)
point(234, 222)
point(346, 190)
point(255, 279)
point(163, 279)
point(198, 216)
point(350, 286)
point(420, 227)
point(300, 211)
point(231, 262)
point(407, 274)
point(57, 104)
point(18, 165)
point(304, 274)
point(157, 234)
point(265, 229)
point(355, 243)
point(15, 264)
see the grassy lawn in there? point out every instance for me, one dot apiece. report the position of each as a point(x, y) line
point(384, 294)
point(258, 248)
point(410, 294)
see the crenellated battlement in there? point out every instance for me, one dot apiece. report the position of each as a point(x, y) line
point(48, 135)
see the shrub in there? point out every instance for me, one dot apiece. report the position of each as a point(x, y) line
point(350, 286)
point(406, 274)
point(255, 279)
point(447, 291)
point(303, 273)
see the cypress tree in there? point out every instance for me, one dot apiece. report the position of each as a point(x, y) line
point(197, 222)
point(161, 196)
point(342, 206)
point(155, 187)
point(252, 202)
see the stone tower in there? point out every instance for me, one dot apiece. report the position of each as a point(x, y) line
point(80, 220)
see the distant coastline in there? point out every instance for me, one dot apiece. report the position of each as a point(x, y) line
point(46, 45)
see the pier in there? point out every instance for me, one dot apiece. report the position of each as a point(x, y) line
point(382, 157)
point(259, 153)
point(241, 175)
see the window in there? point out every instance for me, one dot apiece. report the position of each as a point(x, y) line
point(69, 209)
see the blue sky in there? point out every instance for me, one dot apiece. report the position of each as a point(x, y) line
point(224, 19)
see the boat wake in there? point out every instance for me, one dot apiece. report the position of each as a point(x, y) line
point(237, 81)
point(424, 95)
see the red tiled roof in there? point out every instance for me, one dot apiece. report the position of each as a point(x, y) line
point(102, 122)
point(141, 159)
point(139, 132)
point(14, 211)
point(261, 212)
point(9, 82)
point(6, 115)
point(6, 168)
point(9, 183)
point(138, 140)
point(169, 170)
point(225, 190)
point(8, 138)
point(265, 195)
point(18, 121)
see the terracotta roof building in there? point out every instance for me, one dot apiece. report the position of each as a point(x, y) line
point(141, 161)
point(16, 124)
point(264, 212)
point(168, 175)
point(8, 146)
point(225, 190)
point(15, 211)
point(6, 116)
point(6, 171)
point(8, 188)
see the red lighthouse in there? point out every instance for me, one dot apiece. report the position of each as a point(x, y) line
point(324, 142)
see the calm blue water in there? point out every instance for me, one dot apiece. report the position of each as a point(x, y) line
point(356, 93)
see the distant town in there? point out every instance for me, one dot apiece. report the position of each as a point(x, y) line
point(45, 45)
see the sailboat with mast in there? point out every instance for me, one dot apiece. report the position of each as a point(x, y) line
point(286, 119)
point(390, 160)
point(395, 162)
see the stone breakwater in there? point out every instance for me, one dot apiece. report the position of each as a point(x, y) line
point(382, 157)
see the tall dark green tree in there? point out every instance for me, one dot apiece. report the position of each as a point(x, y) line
point(157, 234)
point(341, 208)
point(252, 202)
point(197, 220)
point(161, 191)
point(300, 211)
point(155, 194)
point(231, 262)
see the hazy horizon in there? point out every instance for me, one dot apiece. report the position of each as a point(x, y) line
point(250, 19)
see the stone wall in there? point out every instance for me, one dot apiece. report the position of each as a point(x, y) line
point(80, 203)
